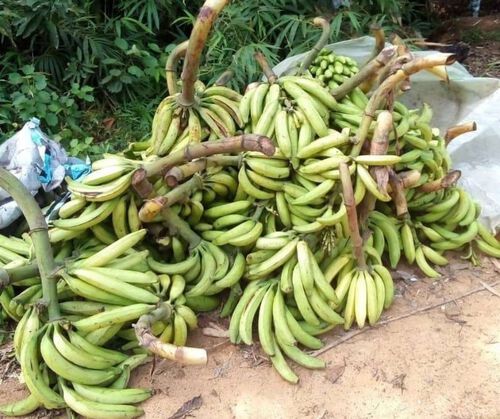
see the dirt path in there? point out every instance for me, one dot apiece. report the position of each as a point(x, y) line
point(441, 363)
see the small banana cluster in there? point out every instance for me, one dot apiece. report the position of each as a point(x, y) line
point(65, 368)
point(294, 306)
point(215, 115)
point(365, 292)
point(287, 110)
point(331, 69)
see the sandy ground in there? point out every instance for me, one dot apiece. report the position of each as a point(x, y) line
point(440, 363)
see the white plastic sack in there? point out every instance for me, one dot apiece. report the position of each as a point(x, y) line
point(35, 160)
point(464, 99)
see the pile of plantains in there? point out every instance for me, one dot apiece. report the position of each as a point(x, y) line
point(285, 207)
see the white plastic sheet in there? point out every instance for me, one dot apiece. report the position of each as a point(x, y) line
point(464, 99)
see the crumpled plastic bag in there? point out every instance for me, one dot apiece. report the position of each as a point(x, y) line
point(38, 162)
point(466, 98)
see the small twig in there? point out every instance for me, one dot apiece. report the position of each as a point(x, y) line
point(355, 333)
point(490, 288)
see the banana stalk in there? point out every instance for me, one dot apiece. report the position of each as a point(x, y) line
point(229, 145)
point(448, 180)
point(9, 276)
point(224, 78)
point(181, 354)
point(398, 194)
point(322, 23)
point(177, 174)
point(39, 236)
point(370, 69)
point(453, 132)
point(389, 85)
point(352, 216)
point(378, 146)
point(266, 68)
point(152, 208)
point(208, 13)
point(379, 35)
point(178, 226)
point(171, 66)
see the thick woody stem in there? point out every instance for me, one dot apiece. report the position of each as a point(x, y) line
point(440, 72)
point(12, 275)
point(379, 35)
point(378, 146)
point(398, 194)
point(454, 132)
point(181, 354)
point(236, 144)
point(39, 236)
point(206, 17)
point(368, 71)
point(142, 186)
point(177, 174)
point(265, 67)
point(224, 78)
point(389, 85)
point(448, 180)
point(322, 23)
point(153, 207)
point(352, 216)
point(171, 67)
point(178, 226)
point(410, 178)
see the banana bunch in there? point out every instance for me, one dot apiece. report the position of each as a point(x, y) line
point(206, 271)
point(110, 178)
point(260, 178)
point(294, 300)
point(15, 302)
point(176, 331)
point(63, 366)
point(235, 223)
point(331, 69)
point(365, 293)
point(291, 108)
point(215, 115)
point(220, 184)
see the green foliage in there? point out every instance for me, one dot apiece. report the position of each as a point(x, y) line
point(77, 64)
point(26, 93)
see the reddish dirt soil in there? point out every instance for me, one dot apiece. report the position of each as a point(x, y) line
point(443, 362)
